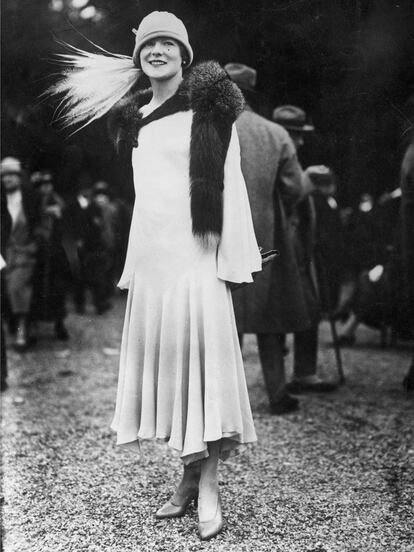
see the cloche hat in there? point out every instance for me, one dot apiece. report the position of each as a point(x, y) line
point(158, 24)
point(41, 177)
point(243, 75)
point(10, 165)
point(292, 118)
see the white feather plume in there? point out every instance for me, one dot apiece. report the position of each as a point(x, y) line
point(91, 84)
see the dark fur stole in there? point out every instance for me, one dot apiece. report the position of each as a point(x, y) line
point(216, 102)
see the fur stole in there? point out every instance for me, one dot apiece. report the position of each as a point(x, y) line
point(216, 102)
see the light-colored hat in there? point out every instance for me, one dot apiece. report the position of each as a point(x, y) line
point(243, 75)
point(292, 118)
point(158, 24)
point(41, 177)
point(36, 178)
point(10, 165)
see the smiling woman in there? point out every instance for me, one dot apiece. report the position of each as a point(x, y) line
point(161, 59)
point(181, 375)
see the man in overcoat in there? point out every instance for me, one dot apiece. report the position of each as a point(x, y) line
point(303, 226)
point(275, 304)
point(407, 238)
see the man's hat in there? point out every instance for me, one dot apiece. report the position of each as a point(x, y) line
point(10, 165)
point(292, 118)
point(36, 178)
point(244, 76)
point(39, 177)
point(101, 187)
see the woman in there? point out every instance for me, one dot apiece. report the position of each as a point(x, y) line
point(23, 207)
point(181, 373)
point(99, 246)
point(52, 273)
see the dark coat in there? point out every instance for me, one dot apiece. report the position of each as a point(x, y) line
point(21, 248)
point(329, 250)
point(275, 302)
point(52, 273)
point(407, 223)
point(75, 220)
point(6, 223)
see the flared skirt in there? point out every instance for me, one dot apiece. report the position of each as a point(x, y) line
point(181, 373)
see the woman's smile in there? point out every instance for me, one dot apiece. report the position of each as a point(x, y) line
point(157, 62)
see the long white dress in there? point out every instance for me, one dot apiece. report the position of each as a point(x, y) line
point(181, 375)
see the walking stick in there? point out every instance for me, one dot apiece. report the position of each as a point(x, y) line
point(332, 323)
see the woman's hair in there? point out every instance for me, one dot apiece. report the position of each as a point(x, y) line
point(184, 54)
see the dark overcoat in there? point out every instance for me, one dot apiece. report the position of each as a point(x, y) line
point(52, 273)
point(275, 302)
point(407, 223)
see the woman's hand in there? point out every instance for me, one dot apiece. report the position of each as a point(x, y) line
point(267, 258)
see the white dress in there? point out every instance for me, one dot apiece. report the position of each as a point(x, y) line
point(181, 375)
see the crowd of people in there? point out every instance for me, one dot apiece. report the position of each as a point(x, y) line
point(181, 346)
point(54, 248)
point(334, 260)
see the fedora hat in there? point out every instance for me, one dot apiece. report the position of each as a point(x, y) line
point(10, 165)
point(292, 118)
point(244, 76)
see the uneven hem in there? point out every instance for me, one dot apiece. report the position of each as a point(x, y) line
point(229, 447)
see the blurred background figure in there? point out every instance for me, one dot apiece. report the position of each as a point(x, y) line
point(123, 216)
point(52, 274)
point(407, 243)
point(303, 227)
point(274, 305)
point(75, 226)
point(6, 225)
point(329, 240)
point(98, 252)
point(371, 289)
point(21, 249)
point(361, 251)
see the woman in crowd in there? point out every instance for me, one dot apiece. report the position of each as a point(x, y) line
point(98, 253)
point(21, 249)
point(181, 372)
point(52, 274)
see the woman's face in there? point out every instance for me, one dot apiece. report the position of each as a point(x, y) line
point(161, 58)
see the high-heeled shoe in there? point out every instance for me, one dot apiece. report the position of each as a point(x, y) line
point(171, 510)
point(209, 529)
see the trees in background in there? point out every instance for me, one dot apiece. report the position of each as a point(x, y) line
point(350, 64)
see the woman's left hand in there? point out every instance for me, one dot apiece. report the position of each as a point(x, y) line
point(267, 258)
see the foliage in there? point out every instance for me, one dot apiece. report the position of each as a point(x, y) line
point(348, 63)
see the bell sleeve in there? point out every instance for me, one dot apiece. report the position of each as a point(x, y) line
point(238, 255)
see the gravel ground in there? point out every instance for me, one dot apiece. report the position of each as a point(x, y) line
point(336, 476)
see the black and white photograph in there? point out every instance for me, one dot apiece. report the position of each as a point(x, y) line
point(207, 276)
